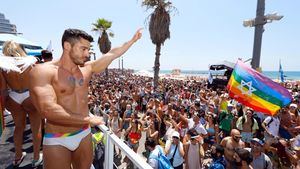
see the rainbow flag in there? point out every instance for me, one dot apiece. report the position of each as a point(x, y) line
point(256, 91)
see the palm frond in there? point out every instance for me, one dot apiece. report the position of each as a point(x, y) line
point(152, 4)
point(111, 34)
point(101, 24)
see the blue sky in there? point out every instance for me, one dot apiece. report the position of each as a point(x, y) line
point(202, 31)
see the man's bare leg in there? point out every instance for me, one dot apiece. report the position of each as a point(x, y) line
point(82, 157)
point(19, 117)
point(56, 157)
point(35, 124)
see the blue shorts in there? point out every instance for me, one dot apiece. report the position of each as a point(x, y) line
point(247, 137)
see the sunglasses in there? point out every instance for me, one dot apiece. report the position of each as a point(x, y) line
point(255, 144)
point(175, 137)
point(237, 137)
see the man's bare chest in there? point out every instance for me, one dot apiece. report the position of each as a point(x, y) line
point(70, 84)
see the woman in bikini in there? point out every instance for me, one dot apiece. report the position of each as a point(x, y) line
point(134, 132)
point(19, 104)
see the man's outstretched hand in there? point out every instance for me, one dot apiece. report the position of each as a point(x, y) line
point(137, 35)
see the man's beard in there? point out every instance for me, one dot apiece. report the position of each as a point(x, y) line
point(77, 62)
point(236, 140)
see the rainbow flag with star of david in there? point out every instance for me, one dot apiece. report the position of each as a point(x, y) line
point(256, 91)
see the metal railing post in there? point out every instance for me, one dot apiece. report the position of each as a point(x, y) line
point(111, 141)
point(106, 153)
point(110, 146)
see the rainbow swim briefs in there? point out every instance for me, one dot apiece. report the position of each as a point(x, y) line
point(70, 141)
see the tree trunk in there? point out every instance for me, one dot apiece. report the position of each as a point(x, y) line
point(156, 66)
point(106, 73)
point(104, 46)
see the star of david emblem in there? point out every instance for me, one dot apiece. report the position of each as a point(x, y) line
point(244, 89)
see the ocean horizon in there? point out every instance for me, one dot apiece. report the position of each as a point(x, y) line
point(289, 75)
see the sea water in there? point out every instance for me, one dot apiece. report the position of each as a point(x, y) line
point(289, 75)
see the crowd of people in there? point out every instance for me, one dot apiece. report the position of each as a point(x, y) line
point(196, 127)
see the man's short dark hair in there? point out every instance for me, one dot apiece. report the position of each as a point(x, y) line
point(150, 142)
point(46, 54)
point(219, 149)
point(244, 154)
point(74, 35)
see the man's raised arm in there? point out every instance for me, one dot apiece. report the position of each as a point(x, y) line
point(100, 64)
point(44, 99)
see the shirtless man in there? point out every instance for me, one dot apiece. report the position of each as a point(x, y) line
point(248, 126)
point(16, 85)
point(230, 143)
point(60, 92)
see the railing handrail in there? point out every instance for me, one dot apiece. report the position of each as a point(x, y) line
point(112, 139)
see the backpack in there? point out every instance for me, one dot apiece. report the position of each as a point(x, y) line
point(259, 132)
point(217, 165)
point(266, 163)
point(270, 122)
point(163, 161)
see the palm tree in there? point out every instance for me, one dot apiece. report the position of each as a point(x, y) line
point(158, 28)
point(102, 25)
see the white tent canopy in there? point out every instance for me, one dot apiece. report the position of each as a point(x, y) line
point(30, 47)
point(144, 73)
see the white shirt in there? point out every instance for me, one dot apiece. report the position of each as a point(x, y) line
point(273, 127)
point(178, 159)
point(199, 127)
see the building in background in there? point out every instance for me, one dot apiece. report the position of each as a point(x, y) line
point(6, 26)
point(8, 31)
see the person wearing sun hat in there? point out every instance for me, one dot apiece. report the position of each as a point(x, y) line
point(174, 151)
point(193, 151)
point(295, 114)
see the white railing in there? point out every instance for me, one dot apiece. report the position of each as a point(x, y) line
point(111, 140)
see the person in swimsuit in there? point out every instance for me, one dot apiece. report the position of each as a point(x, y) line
point(134, 134)
point(212, 129)
point(19, 104)
point(60, 92)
